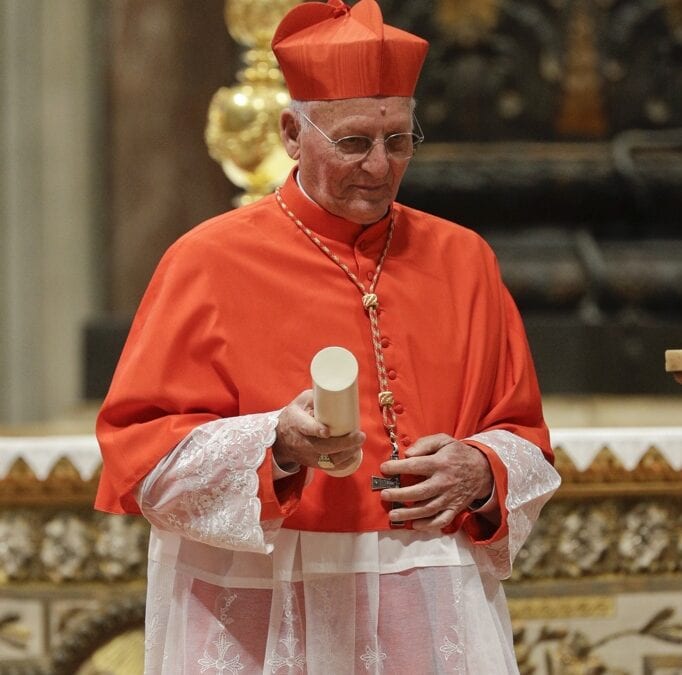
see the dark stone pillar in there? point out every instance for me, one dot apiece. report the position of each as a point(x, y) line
point(165, 60)
point(168, 57)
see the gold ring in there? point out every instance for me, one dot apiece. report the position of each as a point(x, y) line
point(325, 462)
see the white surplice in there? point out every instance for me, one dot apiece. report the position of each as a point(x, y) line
point(228, 593)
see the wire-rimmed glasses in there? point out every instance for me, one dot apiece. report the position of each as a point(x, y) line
point(399, 146)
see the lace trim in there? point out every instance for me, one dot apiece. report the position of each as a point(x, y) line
point(532, 480)
point(207, 487)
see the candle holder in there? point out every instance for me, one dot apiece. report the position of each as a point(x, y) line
point(242, 131)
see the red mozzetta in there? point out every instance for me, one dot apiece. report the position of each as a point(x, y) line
point(238, 307)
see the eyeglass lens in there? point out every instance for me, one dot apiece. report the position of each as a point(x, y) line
point(399, 146)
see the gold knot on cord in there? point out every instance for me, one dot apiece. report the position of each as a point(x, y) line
point(370, 300)
point(385, 398)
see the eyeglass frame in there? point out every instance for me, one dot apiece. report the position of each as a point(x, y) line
point(417, 139)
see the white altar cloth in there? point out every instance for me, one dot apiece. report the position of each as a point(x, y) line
point(42, 453)
point(628, 444)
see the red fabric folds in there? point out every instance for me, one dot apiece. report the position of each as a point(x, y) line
point(328, 52)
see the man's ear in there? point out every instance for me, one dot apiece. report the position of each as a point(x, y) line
point(289, 131)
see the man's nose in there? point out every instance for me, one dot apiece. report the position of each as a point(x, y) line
point(377, 159)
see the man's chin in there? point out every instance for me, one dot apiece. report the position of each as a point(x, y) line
point(365, 212)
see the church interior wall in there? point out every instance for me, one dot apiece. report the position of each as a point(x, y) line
point(104, 164)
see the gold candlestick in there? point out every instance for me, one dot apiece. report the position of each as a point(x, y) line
point(242, 132)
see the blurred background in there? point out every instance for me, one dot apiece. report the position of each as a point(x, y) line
point(553, 128)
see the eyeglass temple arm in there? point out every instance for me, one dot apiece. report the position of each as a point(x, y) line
point(420, 133)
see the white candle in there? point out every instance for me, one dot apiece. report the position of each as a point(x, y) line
point(334, 372)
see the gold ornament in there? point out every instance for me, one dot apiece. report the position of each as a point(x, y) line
point(467, 22)
point(242, 132)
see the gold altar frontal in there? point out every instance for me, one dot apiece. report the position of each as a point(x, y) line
point(597, 585)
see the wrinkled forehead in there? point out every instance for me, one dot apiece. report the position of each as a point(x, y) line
point(375, 106)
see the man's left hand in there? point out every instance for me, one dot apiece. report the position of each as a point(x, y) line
point(455, 474)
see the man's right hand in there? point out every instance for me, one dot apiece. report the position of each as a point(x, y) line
point(301, 439)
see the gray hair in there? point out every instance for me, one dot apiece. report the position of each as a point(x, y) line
point(297, 107)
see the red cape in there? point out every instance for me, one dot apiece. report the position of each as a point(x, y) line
point(238, 307)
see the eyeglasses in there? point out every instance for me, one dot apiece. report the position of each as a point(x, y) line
point(355, 148)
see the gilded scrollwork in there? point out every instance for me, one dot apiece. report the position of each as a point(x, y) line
point(645, 538)
point(121, 547)
point(607, 469)
point(601, 537)
point(71, 546)
point(582, 543)
point(573, 652)
point(13, 632)
point(18, 546)
point(607, 519)
point(573, 539)
point(66, 548)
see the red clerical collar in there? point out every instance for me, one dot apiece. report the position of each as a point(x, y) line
point(327, 224)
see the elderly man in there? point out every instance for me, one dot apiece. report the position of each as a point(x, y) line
point(259, 561)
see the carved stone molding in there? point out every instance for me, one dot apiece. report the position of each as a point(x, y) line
point(574, 539)
point(571, 650)
point(63, 487)
point(71, 546)
point(607, 475)
point(599, 538)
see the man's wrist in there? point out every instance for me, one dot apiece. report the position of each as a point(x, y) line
point(484, 505)
point(283, 470)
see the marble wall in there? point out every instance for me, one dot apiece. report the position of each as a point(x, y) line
point(166, 59)
point(102, 165)
point(48, 155)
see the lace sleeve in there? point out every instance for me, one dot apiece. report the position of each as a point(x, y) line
point(206, 488)
point(532, 480)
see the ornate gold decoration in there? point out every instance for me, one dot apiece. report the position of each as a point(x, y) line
point(582, 110)
point(467, 22)
point(607, 475)
point(575, 606)
point(109, 638)
point(242, 133)
point(13, 633)
point(63, 487)
point(66, 546)
point(123, 654)
point(573, 653)
point(602, 539)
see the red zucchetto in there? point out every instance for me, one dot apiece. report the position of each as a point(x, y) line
point(333, 51)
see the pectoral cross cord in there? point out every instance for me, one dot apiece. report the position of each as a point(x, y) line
point(370, 302)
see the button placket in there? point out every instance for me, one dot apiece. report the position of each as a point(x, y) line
point(370, 302)
point(365, 258)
